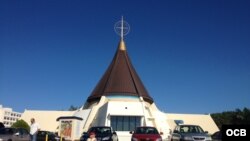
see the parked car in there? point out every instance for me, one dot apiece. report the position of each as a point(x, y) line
point(1, 125)
point(216, 136)
point(102, 133)
point(145, 133)
point(41, 136)
point(190, 133)
point(14, 134)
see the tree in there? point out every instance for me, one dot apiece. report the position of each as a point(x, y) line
point(246, 114)
point(21, 124)
point(73, 108)
point(232, 117)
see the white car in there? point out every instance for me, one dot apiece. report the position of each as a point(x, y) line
point(190, 133)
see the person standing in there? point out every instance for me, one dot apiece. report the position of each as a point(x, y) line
point(34, 128)
point(92, 137)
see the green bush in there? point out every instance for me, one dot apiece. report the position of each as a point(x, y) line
point(21, 124)
point(236, 117)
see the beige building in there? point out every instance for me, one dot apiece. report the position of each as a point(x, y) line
point(8, 116)
point(119, 100)
point(46, 119)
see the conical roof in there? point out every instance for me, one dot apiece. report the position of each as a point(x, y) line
point(120, 79)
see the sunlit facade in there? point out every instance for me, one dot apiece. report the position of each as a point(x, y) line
point(8, 116)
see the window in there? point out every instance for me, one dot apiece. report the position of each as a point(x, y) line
point(125, 123)
point(100, 130)
point(146, 130)
point(191, 129)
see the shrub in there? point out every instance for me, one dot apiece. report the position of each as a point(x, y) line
point(21, 124)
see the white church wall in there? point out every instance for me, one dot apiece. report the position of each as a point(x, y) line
point(101, 116)
point(91, 120)
point(159, 120)
point(125, 108)
point(161, 124)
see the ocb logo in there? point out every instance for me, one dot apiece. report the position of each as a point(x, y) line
point(236, 132)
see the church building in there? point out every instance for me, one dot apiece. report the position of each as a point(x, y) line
point(119, 100)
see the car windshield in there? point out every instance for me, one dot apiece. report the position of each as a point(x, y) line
point(191, 129)
point(100, 130)
point(146, 130)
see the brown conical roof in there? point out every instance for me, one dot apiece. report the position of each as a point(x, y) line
point(120, 79)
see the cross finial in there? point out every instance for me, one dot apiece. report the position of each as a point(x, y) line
point(122, 28)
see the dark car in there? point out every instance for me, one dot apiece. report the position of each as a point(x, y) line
point(216, 136)
point(14, 134)
point(146, 133)
point(1, 125)
point(102, 133)
point(41, 136)
point(189, 133)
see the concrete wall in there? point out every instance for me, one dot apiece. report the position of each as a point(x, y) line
point(46, 119)
point(99, 113)
point(160, 121)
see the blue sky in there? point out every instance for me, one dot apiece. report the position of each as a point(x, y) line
point(193, 56)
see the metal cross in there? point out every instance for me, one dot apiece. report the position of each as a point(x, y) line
point(122, 28)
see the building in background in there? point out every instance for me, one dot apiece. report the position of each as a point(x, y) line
point(8, 116)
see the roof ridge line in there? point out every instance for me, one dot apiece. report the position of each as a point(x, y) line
point(128, 60)
point(111, 70)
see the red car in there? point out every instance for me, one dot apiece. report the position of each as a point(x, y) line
point(146, 134)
